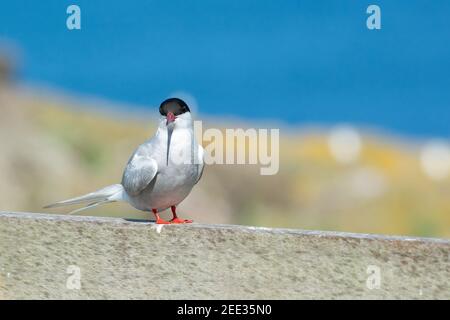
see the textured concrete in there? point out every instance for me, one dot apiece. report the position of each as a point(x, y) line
point(124, 259)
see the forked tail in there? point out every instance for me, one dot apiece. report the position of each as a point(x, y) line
point(108, 194)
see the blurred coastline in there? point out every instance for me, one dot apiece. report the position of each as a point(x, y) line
point(344, 179)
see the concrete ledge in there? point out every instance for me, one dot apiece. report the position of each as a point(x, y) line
point(138, 260)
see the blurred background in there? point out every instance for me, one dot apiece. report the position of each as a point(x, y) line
point(363, 114)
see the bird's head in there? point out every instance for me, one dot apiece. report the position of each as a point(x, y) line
point(175, 113)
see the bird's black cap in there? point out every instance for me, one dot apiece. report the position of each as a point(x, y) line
point(174, 105)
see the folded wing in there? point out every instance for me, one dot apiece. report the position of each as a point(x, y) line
point(139, 172)
point(201, 163)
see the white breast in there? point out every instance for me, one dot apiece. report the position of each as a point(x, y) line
point(175, 178)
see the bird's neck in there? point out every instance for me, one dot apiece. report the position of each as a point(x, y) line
point(178, 140)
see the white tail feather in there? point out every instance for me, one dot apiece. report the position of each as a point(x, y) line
point(108, 194)
point(90, 206)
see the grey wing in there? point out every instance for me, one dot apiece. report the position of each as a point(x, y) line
point(201, 163)
point(139, 172)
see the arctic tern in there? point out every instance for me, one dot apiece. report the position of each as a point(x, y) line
point(161, 172)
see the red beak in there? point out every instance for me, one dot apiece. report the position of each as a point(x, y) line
point(170, 118)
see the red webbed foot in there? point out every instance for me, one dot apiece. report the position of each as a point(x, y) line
point(175, 219)
point(162, 221)
point(159, 220)
point(178, 221)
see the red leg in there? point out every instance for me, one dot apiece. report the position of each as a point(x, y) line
point(158, 218)
point(175, 218)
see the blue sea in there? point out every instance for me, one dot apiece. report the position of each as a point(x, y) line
point(298, 62)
